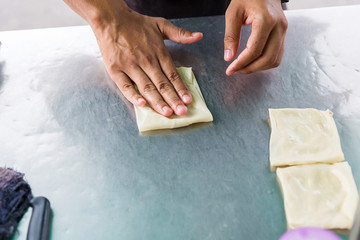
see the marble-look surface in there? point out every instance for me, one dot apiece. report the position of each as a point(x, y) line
point(65, 125)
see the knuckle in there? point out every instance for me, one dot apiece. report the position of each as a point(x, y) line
point(284, 23)
point(277, 62)
point(174, 77)
point(183, 91)
point(182, 31)
point(268, 16)
point(270, 20)
point(114, 66)
point(131, 64)
point(149, 88)
point(229, 39)
point(269, 61)
point(164, 87)
point(261, 18)
point(126, 87)
point(148, 59)
point(257, 52)
point(273, 62)
point(266, 19)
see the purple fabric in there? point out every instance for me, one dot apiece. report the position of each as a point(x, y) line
point(15, 196)
point(179, 8)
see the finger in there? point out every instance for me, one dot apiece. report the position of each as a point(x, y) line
point(127, 88)
point(233, 22)
point(176, 34)
point(269, 59)
point(281, 53)
point(165, 88)
point(169, 69)
point(149, 92)
point(254, 47)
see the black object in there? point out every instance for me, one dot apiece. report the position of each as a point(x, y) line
point(172, 9)
point(39, 225)
point(179, 8)
point(15, 199)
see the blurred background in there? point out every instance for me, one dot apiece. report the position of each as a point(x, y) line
point(28, 14)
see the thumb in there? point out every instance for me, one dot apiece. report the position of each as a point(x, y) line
point(179, 35)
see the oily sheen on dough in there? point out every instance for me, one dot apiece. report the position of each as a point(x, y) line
point(303, 136)
point(147, 119)
point(319, 195)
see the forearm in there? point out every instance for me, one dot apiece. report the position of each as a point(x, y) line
point(98, 12)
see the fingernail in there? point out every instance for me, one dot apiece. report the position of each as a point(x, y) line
point(195, 34)
point(230, 73)
point(166, 110)
point(186, 98)
point(141, 101)
point(228, 54)
point(181, 110)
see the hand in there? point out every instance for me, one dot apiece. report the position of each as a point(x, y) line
point(133, 49)
point(265, 46)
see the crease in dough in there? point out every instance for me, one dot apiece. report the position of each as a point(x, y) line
point(147, 119)
point(319, 195)
point(303, 136)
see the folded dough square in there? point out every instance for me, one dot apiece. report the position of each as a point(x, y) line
point(319, 195)
point(147, 119)
point(303, 136)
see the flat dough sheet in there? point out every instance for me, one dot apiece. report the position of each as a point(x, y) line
point(147, 119)
point(319, 195)
point(303, 136)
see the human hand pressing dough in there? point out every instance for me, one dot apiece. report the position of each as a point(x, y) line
point(133, 49)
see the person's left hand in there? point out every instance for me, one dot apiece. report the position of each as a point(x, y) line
point(265, 46)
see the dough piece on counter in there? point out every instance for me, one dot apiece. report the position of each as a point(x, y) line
point(319, 195)
point(303, 136)
point(147, 119)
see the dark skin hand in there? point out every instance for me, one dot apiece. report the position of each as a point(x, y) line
point(133, 49)
point(265, 46)
point(139, 55)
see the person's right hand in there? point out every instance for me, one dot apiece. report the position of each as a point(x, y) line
point(133, 49)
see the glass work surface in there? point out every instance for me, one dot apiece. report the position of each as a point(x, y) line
point(64, 124)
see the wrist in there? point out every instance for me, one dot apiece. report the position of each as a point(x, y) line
point(105, 13)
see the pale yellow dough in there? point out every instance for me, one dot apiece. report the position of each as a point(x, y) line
point(147, 119)
point(303, 136)
point(319, 195)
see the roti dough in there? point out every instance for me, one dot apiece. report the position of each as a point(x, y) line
point(303, 136)
point(319, 195)
point(147, 119)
